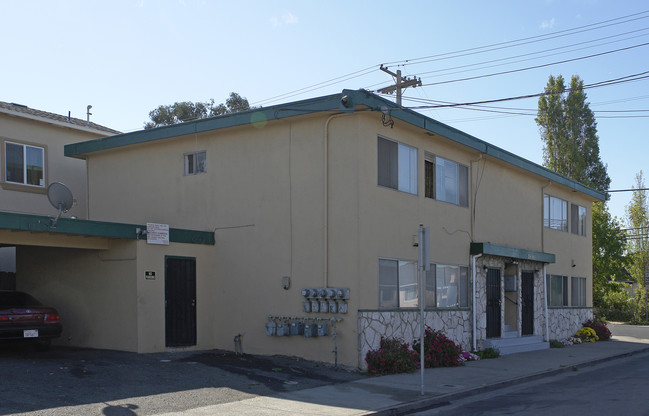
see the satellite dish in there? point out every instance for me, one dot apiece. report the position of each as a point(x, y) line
point(60, 197)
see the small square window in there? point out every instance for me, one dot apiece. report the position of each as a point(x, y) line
point(195, 163)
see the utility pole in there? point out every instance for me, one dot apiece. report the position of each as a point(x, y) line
point(401, 84)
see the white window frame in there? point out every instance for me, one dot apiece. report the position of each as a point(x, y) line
point(555, 213)
point(578, 291)
point(398, 171)
point(449, 182)
point(195, 162)
point(25, 164)
point(578, 220)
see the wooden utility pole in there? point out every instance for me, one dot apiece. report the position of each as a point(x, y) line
point(401, 84)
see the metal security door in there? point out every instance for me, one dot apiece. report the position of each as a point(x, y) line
point(527, 293)
point(180, 301)
point(493, 303)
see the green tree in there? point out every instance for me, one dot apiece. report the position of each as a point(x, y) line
point(571, 148)
point(638, 231)
point(180, 112)
point(569, 132)
point(609, 260)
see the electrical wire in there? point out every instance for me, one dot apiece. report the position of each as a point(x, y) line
point(518, 42)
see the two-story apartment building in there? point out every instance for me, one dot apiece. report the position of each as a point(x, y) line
point(314, 209)
point(31, 158)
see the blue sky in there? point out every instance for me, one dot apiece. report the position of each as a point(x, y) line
point(126, 57)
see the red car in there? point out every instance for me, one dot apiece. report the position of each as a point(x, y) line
point(23, 318)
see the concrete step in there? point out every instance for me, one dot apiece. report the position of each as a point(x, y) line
point(511, 334)
point(518, 344)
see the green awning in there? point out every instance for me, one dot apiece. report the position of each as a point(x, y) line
point(515, 253)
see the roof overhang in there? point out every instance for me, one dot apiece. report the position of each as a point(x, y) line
point(514, 253)
point(68, 232)
point(346, 102)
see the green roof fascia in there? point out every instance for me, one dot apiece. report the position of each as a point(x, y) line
point(254, 116)
point(325, 103)
point(409, 116)
point(40, 223)
point(516, 253)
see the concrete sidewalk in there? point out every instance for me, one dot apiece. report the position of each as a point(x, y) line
point(400, 394)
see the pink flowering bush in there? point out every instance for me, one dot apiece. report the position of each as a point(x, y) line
point(439, 350)
point(468, 356)
point(392, 357)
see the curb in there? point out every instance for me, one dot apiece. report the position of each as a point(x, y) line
point(445, 399)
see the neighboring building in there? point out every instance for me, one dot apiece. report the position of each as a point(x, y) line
point(31, 157)
point(326, 193)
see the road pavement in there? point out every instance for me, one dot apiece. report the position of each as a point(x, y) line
point(66, 382)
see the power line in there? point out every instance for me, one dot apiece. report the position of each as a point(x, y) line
point(518, 42)
point(536, 66)
point(614, 81)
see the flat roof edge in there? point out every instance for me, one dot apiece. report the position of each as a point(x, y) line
point(90, 228)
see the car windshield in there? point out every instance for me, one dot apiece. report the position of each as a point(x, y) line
point(17, 299)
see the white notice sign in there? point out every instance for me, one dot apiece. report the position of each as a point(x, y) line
point(157, 233)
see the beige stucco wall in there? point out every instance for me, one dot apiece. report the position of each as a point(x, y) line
point(264, 196)
point(93, 290)
point(71, 172)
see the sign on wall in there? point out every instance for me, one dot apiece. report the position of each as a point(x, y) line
point(157, 233)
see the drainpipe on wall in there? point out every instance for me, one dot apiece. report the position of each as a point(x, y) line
point(475, 276)
point(547, 317)
point(325, 220)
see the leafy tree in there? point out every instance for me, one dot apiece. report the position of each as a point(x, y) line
point(638, 233)
point(179, 112)
point(571, 148)
point(609, 260)
point(569, 131)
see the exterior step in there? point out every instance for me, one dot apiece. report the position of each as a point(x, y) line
point(510, 334)
point(517, 344)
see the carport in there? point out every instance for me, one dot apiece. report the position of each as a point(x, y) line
point(105, 278)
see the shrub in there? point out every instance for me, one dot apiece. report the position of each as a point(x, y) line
point(555, 343)
point(587, 334)
point(488, 353)
point(600, 328)
point(439, 350)
point(392, 357)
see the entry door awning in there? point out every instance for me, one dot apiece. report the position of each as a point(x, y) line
point(515, 253)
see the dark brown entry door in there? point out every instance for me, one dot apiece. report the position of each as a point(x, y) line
point(527, 293)
point(180, 301)
point(493, 303)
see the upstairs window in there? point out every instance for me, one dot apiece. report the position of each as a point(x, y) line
point(397, 166)
point(578, 219)
point(555, 213)
point(24, 164)
point(195, 163)
point(446, 181)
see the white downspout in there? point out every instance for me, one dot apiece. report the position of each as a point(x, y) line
point(474, 313)
point(547, 317)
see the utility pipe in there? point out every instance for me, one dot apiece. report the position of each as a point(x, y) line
point(474, 313)
point(325, 220)
point(547, 317)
